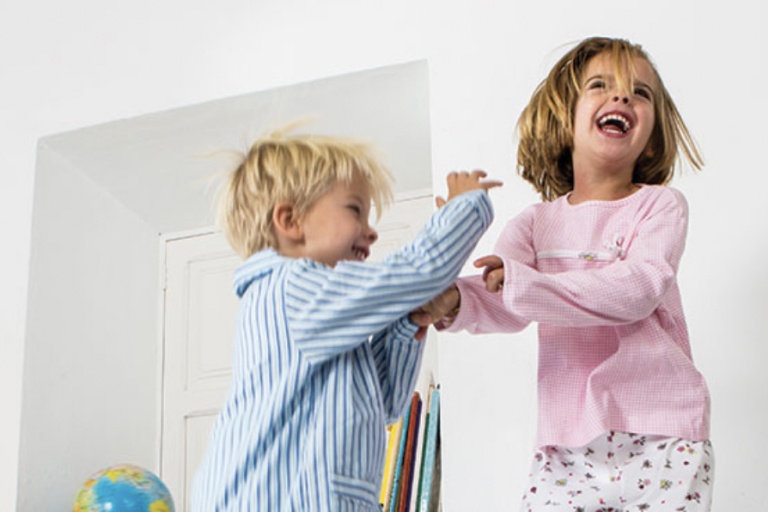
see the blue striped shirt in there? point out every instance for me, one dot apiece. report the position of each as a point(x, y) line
point(324, 359)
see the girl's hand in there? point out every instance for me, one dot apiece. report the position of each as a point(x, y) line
point(444, 305)
point(460, 182)
point(493, 272)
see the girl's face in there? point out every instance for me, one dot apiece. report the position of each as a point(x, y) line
point(336, 227)
point(611, 129)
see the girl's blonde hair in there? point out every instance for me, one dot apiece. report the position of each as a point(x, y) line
point(296, 168)
point(545, 127)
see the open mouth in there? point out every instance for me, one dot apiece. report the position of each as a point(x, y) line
point(361, 253)
point(614, 123)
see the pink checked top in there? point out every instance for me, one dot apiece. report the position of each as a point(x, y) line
point(599, 278)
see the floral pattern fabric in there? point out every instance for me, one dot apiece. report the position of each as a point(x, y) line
point(621, 472)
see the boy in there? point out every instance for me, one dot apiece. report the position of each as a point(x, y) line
point(326, 353)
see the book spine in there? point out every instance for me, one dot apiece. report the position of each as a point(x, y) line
point(392, 505)
point(424, 448)
point(430, 451)
point(407, 478)
point(393, 445)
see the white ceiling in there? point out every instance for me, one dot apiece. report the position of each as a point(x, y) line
point(162, 165)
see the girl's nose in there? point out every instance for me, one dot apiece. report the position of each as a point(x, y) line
point(623, 99)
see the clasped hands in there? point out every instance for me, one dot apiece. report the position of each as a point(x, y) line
point(446, 305)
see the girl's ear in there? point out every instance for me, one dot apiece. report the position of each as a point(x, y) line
point(286, 221)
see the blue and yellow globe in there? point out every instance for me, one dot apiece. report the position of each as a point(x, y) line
point(124, 488)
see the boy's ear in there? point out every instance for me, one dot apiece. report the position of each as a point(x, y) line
point(286, 221)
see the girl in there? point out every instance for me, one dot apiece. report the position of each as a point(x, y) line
point(623, 413)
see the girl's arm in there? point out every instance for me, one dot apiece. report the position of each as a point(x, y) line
point(622, 292)
point(482, 312)
point(479, 311)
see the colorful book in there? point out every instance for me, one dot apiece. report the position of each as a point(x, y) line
point(435, 499)
point(406, 482)
point(431, 454)
point(428, 408)
point(393, 445)
point(392, 501)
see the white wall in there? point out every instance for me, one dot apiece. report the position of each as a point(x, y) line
point(91, 392)
point(67, 65)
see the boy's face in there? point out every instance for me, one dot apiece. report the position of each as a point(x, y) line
point(612, 128)
point(336, 227)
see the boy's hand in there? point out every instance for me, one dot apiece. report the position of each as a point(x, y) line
point(460, 182)
point(493, 272)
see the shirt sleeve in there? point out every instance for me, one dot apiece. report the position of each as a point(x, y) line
point(482, 312)
point(334, 310)
point(622, 292)
point(397, 356)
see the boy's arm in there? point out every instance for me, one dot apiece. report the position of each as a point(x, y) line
point(335, 310)
point(397, 356)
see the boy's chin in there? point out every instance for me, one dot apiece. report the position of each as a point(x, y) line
point(354, 259)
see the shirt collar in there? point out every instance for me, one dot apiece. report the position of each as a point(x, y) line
point(255, 267)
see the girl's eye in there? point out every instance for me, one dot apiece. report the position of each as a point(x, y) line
point(596, 84)
point(644, 93)
point(355, 208)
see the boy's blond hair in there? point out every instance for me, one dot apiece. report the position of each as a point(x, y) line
point(295, 168)
point(545, 127)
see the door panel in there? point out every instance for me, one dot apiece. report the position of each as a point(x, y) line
point(198, 330)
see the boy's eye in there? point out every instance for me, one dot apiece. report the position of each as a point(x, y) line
point(355, 208)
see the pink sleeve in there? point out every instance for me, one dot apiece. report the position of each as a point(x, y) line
point(622, 292)
point(483, 312)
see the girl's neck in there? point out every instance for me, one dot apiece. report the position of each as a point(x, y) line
point(601, 190)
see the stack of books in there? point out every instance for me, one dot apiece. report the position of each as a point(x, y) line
point(411, 480)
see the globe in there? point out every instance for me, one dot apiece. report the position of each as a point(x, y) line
point(124, 488)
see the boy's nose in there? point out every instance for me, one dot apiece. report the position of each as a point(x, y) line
point(372, 235)
point(623, 99)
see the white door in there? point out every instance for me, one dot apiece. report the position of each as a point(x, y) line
point(200, 307)
point(198, 330)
